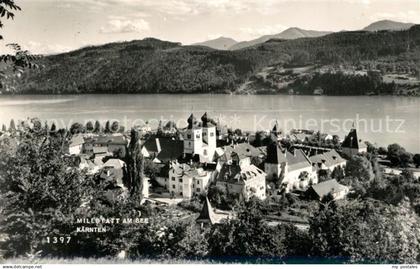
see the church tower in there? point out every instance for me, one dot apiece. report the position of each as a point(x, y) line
point(209, 136)
point(193, 142)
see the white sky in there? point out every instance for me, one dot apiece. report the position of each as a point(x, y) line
point(50, 26)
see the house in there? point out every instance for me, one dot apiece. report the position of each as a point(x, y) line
point(210, 216)
point(242, 152)
point(163, 149)
point(200, 139)
point(327, 161)
point(294, 169)
point(352, 145)
point(322, 189)
point(113, 170)
point(246, 180)
point(115, 144)
point(76, 144)
point(185, 181)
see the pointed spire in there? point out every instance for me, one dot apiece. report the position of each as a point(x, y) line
point(207, 214)
point(205, 119)
point(191, 121)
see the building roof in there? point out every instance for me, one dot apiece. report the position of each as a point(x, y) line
point(296, 160)
point(242, 151)
point(181, 169)
point(207, 214)
point(329, 158)
point(326, 187)
point(114, 163)
point(239, 174)
point(352, 141)
point(172, 150)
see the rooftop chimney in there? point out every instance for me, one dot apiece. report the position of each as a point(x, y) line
point(158, 145)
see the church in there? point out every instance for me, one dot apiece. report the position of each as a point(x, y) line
point(200, 139)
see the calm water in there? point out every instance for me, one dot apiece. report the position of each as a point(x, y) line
point(382, 120)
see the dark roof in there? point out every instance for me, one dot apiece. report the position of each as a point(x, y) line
point(242, 151)
point(351, 140)
point(296, 160)
point(207, 214)
point(275, 153)
point(172, 150)
point(167, 144)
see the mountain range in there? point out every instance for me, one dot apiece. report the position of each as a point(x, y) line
point(226, 43)
point(155, 66)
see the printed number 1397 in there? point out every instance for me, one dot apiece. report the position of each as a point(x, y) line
point(58, 240)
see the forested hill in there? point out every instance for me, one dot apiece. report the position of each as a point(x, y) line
point(155, 66)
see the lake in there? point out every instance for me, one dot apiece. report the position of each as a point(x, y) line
point(380, 119)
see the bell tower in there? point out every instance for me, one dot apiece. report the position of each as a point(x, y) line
point(193, 141)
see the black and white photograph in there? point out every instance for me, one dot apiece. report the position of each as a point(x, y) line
point(209, 132)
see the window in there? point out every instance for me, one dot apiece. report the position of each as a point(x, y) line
point(173, 178)
point(180, 180)
point(205, 152)
point(198, 181)
point(189, 143)
point(193, 186)
point(198, 189)
point(173, 186)
point(188, 136)
point(204, 134)
point(197, 136)
point(180, 193)
point(211, 134)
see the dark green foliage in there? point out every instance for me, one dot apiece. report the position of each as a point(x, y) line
point(359, 167)
point(248, 235)
point(416, 160)
point(89, 127)
point(77, 128)
point(398, 156)
point(365, 232)
point(135, 167)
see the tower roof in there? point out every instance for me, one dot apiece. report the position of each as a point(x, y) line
point(207, 214)
point(351, 140)
point(191, 121)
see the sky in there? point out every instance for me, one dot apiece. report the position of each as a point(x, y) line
point(53, 26)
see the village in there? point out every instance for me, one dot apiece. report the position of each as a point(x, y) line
point(207, 160)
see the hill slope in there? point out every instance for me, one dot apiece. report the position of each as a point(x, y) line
point(387, 25)
point(221, 43)
point(155, 66)
point(290, 33)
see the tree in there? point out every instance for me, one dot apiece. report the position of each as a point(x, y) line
point(76, 128)
point(394, 153)
point(135, 166)
point(248, 236)
point(107, 129)
point(360, 167)
point(337, 173)
point(115, 127)
point(12, 126)
point(97, 128)
point(3, 128)
point(21, 59)
point(89, 127)
point(416, 160)
point(366, 231)
point(53, 128)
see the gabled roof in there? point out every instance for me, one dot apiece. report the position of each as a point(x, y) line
point(239, 174)
point(352, 141)
point(242, 150)
point(207, 214)
point(172, 150)
point(296, 160)
point(114, 163)
point(329, 158)
point(326, 187)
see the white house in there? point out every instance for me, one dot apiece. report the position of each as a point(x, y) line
point(294, 169)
